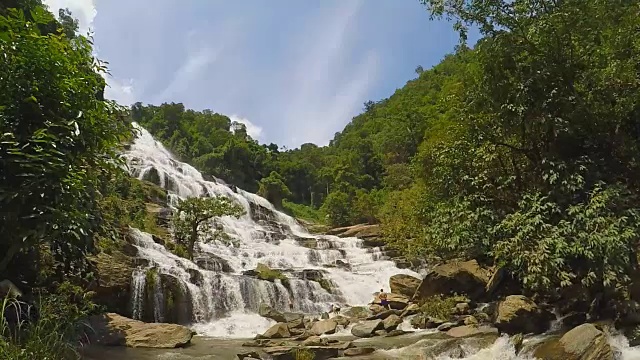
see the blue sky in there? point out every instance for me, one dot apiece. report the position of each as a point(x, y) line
point(293, 71)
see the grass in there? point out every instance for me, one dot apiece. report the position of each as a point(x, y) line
point(440, 307)
point(266, 273)
point(304, 212)
point(56, 332)
point(303, 354)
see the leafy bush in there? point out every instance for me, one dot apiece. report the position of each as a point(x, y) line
point(274, 189)
point(57, 331)
point(304, 212)
point(337, 208)
point(440, 307)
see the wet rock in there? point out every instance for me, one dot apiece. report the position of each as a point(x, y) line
point(396, 332)
point(358, 351)
point(341, 320)
point(446, 326)
point(324, 316)
point(294, 320)
point(256, 343)
point(463, 309)
point(519, 314)
point(358, 312)
point(112, 329)
point(312, 274)
point(324, 327)
point(113, 281)
point(277, 331)
point(584, 342)
point(465, 331)
point(404, 284)
point(248, 355)
point(309, 243)
point(455, 277)
point(516, 341)
point(314, 341)
point(362, 231)
point(392, 322)
point(383, 315)
point(366, 328)
point(381, 332)
point(195, 277)
point(376, 309)
point(212, 262)
point(271, 313)
point(178, 307)
point(343, 264)
point(433, 323)
point(470, 320)
point(412, 309)
point(294, 352)
point(419, 321)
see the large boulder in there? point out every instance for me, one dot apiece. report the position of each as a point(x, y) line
point(455, 277)
point(177, 300)
point(113, 279)
point(395, 301)
point(357, 312)
point(584, 342)
point(112, 329)
point(366, 328)
point(294, 320)
point(270, 313)
point(212, 262)
point(470, 330)
point(391, 322)
point(519, 314)
point(277, 331)
point(404, 284)
point(324, 327)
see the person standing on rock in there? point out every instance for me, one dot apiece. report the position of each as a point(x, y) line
point(290, 305)
point(382, 296)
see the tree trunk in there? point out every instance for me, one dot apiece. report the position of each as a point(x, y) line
point(192, 240)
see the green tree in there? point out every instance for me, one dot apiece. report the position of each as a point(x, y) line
point(195, 219)
point(336, 208)
point(58, 139)
point(274, 189)
point(546, 142)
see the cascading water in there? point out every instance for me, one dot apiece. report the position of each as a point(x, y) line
point(220, 299)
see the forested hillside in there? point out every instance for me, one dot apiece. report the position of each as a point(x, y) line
point(521, 152)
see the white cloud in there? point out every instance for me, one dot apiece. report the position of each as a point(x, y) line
point(120, 91)
point(195, 63)
point(324, 94)
point(83, 10)
point(253, 130)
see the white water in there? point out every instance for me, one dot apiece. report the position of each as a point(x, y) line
point(225, 303)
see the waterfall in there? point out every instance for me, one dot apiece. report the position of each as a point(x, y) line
point(137, 293)
point(215, 292)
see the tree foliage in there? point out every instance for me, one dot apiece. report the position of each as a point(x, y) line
point(195, 220)
point(274, 189)
point(58, 138)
